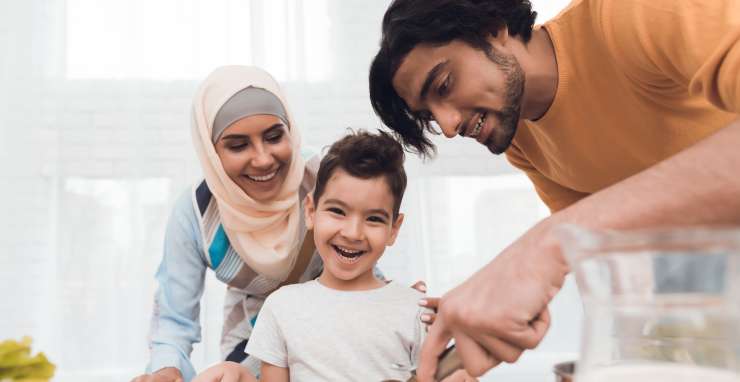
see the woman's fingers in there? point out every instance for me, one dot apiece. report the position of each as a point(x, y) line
point(430, 302)
point(420, 285)
point(428, 318)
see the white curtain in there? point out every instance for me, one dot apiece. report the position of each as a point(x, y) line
point(95, 146)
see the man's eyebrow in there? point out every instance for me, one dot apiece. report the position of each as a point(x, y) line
point(430, 78)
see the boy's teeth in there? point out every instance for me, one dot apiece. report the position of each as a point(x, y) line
point(348, 252)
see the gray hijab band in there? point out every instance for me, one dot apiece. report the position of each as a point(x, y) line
point(245, 103)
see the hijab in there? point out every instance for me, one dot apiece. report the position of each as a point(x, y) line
point(264, 234)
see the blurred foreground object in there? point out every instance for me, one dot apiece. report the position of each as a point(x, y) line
point(17, 364)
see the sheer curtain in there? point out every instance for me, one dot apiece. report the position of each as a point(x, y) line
point(95, 146)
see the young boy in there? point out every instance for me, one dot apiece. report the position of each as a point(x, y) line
point(347, 325)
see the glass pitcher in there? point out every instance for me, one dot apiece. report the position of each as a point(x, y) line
point(661, 305)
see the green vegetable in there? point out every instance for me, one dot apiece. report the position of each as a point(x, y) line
point(17, 364)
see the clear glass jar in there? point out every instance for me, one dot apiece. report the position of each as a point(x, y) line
point(660, 305)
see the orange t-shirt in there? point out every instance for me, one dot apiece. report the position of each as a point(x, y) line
point(639, 81)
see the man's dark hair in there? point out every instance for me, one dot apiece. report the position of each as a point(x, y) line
point(408, 23)
point(364, 155)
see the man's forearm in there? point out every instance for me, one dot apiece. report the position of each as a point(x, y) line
point(698, 186)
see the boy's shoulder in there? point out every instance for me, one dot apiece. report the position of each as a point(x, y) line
point(402, 296)
point(291, 292)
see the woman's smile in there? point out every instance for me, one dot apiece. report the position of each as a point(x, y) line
point(265, 176)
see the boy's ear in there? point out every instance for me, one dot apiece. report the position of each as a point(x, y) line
point(308, 211)
point(395, 228)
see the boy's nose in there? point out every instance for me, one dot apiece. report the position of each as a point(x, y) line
point(352, 230)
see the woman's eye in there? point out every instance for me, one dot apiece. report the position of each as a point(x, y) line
point(237, 147)
point(274, 138)
point(335, 210)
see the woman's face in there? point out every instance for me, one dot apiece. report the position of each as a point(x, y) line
point(256, 154)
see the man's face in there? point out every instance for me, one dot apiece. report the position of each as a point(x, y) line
point(464, 90)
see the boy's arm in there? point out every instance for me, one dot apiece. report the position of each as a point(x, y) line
point(272, 373)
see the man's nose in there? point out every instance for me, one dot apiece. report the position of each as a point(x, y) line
point(448, 118)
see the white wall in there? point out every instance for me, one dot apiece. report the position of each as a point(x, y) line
point(93, 150)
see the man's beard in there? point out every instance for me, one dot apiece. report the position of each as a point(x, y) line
point(508, 116)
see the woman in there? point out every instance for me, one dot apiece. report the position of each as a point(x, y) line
point(245, 221)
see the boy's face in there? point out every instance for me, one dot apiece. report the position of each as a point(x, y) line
point(352, 223)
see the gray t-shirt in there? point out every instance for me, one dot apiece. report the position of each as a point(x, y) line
point(322, 334)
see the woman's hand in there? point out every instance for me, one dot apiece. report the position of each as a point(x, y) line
point(167, 374)
point(432, 303)
point(427, 302)
point(225, 372)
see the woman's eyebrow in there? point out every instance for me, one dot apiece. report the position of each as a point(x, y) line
point(274, 127)
point(235, 136)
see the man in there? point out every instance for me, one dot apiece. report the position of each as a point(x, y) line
point(623, 113)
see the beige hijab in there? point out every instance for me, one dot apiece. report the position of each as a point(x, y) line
point(265, 235)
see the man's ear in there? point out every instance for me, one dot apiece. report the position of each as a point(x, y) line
point(309, 210)
point(395, 228)
point(499, 41)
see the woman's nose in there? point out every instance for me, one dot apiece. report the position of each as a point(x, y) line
point(262, 158)
point(448, 118)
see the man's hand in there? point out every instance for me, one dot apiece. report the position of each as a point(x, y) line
point(460, 376)
point(167, 374)
point(502, 309)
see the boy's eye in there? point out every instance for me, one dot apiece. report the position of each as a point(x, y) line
point(335, 210)
point(376, 219)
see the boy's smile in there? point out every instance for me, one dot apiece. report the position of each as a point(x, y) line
point(353, 223)
point(347, 255)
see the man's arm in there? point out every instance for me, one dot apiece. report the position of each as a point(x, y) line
point(492, 323)
point(272, 373)
point(700, 185)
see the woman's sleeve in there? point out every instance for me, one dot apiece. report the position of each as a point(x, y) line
point(175, 318)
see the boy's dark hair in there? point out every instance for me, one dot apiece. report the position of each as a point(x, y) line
point(408, 23)
point(365, 155)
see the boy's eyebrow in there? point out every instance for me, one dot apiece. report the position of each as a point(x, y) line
point(378, 211)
